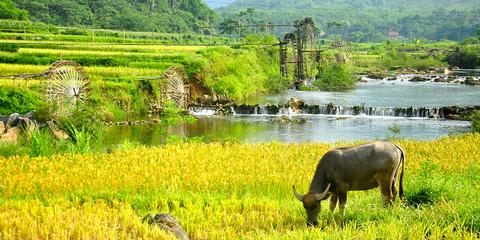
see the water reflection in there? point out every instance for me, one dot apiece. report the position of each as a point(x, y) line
point(297, 129)
point(320, 128)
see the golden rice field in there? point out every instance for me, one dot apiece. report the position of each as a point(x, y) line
point(231, 191)
point(135, 60)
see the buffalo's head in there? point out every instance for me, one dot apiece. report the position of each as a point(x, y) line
point(311, 203)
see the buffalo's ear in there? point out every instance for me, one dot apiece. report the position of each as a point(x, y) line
point(297, 195)
point(321, 196)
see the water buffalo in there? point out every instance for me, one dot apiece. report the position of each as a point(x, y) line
point(354, 168)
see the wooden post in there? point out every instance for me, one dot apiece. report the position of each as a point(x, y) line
point(238, 28)
point(211, 36)
point(300, 59)
point(283, 58)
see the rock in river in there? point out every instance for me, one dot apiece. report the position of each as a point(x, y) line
point(296, 104)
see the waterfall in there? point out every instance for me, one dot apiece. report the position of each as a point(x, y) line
point(329, 109)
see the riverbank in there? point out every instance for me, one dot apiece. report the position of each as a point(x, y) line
point(233, 191)
point(215, 73)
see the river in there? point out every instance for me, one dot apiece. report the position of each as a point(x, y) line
point(323, 128)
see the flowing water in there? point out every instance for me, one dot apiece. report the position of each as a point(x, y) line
point(386, 94)
point(377, 120)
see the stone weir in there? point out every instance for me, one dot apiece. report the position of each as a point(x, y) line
point(451, 112)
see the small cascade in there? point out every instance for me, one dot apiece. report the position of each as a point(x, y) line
point(202, 111)
point(329, 109)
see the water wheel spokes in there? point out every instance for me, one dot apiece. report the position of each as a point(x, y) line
point(176, 88)
point(66, 85)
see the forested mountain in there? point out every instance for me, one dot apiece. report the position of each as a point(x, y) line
point(363, 20)
point(139, 15)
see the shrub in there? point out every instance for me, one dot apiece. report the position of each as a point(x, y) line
point(465, 57)
point(237, 74)
point(475, 119)
point(18, 100)
point(11, 149)
point(428, 186)
point(82, 139)
point(334, 77)
point(41, 143)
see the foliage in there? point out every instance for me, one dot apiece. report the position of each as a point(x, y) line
point(471, 40)
point(18, 100)
point(81, 139)
point(152, 16)
point(394, 128)
point(334, 77)
point(237, 73)
point(174, 139)
point(11, 149)
point(428, 187)
point(41, 143)
point(260, 39)
point(246, 18)
point(465, 57)
point(475, 119)
point(231, 191)
point(8, 10)
point(395, 131)
point(359, 20)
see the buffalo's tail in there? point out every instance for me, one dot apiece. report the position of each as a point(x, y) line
point(402, 161)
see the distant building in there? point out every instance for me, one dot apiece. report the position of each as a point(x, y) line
point(393, 34)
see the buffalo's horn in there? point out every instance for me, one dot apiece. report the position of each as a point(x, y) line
point(297, 195)
point(321, 196)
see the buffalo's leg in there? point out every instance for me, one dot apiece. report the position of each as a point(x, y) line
point(394, 189)
point(386, 189)
point(342, 202)
point(333, 202)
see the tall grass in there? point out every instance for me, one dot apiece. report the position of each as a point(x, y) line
point(81, 139)
point(41, 143)
point(11, 149)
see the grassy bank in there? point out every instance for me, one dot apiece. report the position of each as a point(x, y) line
point(233, 191)
point(398, 55)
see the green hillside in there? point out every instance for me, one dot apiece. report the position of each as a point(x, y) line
point(139, 15)
point(365, 21)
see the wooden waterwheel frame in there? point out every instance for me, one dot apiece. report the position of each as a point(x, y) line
point(66, 85)
point(176, 89)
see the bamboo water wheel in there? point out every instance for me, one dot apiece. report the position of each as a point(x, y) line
point(176, 88)
point(66, 85)
point(299, 54)
point(343, 52)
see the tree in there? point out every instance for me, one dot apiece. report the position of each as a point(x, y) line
point(139, 15)
point(8, 10)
